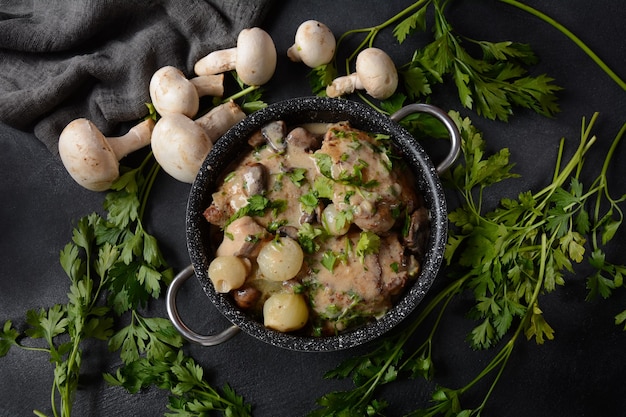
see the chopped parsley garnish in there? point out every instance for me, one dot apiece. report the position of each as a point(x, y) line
point(329, 260)
point(369, 243)
point(324, 164)
point(307, 236)
point(324, 187)
point(258, 206)
point(309, 201)
point(297, 176)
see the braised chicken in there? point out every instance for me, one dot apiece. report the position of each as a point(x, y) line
point(345, 197)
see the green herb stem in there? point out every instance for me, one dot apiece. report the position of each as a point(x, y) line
point(147, 186)
point(372, 31)
point(611, 151)
point(370, 103)
point(240, 93)
point(604, 185)
point(499, 361)
point(446, 298)
point(558, 26)
point(452, 289)
point(583, 147)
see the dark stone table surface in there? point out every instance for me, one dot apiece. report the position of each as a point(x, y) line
point(579, 373)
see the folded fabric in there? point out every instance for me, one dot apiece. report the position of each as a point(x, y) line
point(65, 59)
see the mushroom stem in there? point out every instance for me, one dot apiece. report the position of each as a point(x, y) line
point(293, 53)
point(217, 62)
point(136, 138)
point(221, 118)
point(209, 85)
point(344, 85)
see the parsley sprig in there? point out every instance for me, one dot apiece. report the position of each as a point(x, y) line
point(506, 258)
point(558, 26)
point(504, 281)
point(179, 374)
point(115, 268)
point(491, 84)
point(606, 217)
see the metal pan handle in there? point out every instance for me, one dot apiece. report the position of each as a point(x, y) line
point(455, 136)
point(186, 332)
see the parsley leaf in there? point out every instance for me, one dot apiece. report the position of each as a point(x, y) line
point(154, 337)
point(491, 84)
point(329, 260)
point(8, 337)
point(320, 77)
point(257, 206)
point(297, 176)
point(308, 236)
point(369, 243)
point(416, 21)
point(185, 380)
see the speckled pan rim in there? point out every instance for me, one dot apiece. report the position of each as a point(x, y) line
point(306, 110)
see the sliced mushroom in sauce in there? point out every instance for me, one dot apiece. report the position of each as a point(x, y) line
point(304, 139)
point(255, 179)
point(274, 133)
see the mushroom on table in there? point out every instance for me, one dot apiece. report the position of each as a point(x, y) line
point(314, 44)
point(171, 92)
point(93, 159)
point(254, 58)
point(180, 144)
point(375, 73)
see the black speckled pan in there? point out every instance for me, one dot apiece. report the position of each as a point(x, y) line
point(306, 110)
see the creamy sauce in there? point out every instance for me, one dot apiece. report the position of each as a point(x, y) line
point(346, 279)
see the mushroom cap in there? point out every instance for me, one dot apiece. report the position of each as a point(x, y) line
point(256, 56)
point(180, 146)
point(171, 92)
point(376, 73)
point(87, 155)
point(314, 44)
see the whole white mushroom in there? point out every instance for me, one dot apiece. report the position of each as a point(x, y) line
point(375, 73)
point(180, 144)
point(314, 44)
point(254, 58)
point(92, 159)
point(171, 92)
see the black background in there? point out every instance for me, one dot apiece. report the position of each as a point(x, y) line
point(580, 373)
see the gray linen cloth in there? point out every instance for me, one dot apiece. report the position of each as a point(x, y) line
point(65, 59)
